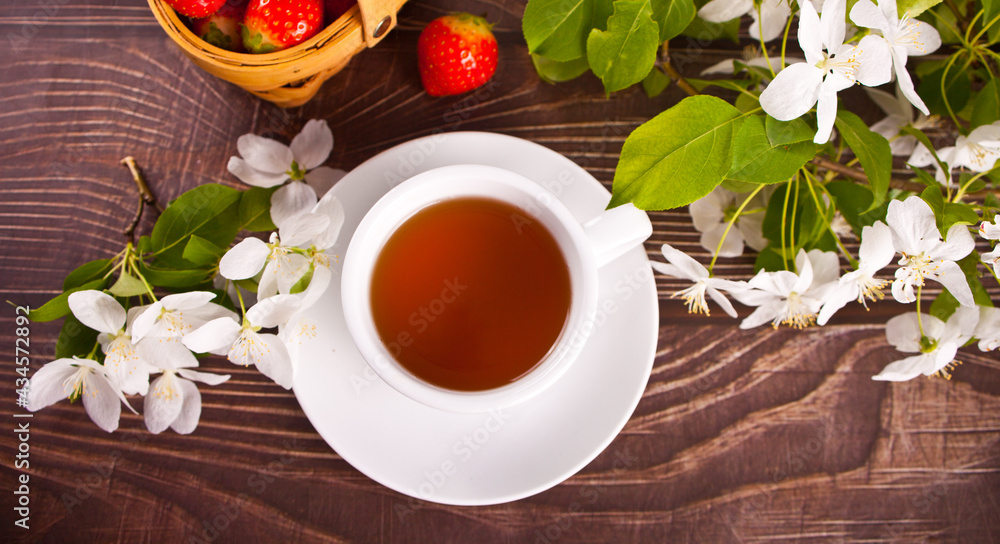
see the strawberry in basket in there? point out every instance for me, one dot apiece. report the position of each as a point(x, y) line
point(222, 28)
point(273, 25)
point(196, 8)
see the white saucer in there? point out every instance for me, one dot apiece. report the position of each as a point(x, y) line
point(478, 459)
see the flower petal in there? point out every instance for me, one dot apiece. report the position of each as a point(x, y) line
point(927, 40)
point(722, 301)
point(166, 353)
point(300, 229)
point(265, 154)
point(272, 312)
point(247, 174)
point(707, 211)
point(809, 34)
point(876, 250)
point(826, 108)
point(102, 402)
point(763, 314)
point(268, 353)
point(773, 15)
point(874, 61)
point(244, 260)
point(832, 24)
point(187, 301)
point(46, 386)
point(322, 179)
point(912, 222)
point(98, 310)
point(291, 200)
point(793, 91)
point(331, 207)
point(687, 265)
point(988, 328)
point(313, 144)
point(836, 299)
point(317, 286)
point(163, 403)
point(203, 377)
point(903, 331)
point(867, 15)
point(958, 244)
point(950, 275)
point(906, 369)
point(732, 246)
point(720, 11)
point(187, 419)
point(213, 336)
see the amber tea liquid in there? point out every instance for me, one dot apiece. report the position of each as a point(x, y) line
point(470, 294)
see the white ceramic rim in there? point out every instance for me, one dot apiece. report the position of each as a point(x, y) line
point(456, 181)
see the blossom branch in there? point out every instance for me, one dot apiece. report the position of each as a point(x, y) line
point(674, 74)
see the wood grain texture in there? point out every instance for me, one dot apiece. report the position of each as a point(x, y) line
point(741, 436)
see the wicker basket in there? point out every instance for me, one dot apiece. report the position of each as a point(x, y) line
point(290, 77)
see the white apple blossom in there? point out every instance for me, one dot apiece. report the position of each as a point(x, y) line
point(876, 253)
point(817, 81)
point(711, 215)
point(936, 344)
point(683, 266)
point(766, 26)
point(123, 363)
point(78, 378)
point(922, 157)
point(899, 114)
point(244, 345)
point(991, 231)
point(787, 298)
point(924, 255)
point(298, 248)
point(268, 163)
point(988, 328)
point(173, 316)
point(174, 400)
point(979, 150)
point(900, 39)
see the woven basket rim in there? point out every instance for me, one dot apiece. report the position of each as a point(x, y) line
point(192, 44)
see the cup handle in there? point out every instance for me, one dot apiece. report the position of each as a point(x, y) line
point(616, 231)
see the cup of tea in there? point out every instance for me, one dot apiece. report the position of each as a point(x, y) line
point(469, 287)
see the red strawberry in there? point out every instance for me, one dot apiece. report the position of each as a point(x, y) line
point(273, 25)
point(196, 8)
point(335, 8)
point(456, 53)
point(222, 28)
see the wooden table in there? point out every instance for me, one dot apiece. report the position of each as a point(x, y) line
point(740, 435)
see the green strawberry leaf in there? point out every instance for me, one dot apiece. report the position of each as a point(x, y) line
point(217, 37)
point(678, 156)
point(624, 54)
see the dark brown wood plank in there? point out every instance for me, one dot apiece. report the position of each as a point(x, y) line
point(740, 436)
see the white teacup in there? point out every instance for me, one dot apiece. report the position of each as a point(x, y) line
point(585, 248)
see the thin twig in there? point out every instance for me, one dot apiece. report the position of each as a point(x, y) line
point(140, 182)
point(859, 175)
point(674, 74)
point(130, 231)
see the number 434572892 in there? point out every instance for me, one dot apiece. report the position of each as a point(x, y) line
point(21, 345)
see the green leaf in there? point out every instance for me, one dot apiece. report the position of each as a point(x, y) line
point(922, 138)
point(944, 305)
point(144, 245)
point(987, 106)
point(303, 282)
point(255, 209)
point(957, 213)
point(766, 150)
point(769, 259)
point(655, 83)
point(59, 305)
point(738, 85)
point(672, 16)
point(552, 71)
point(871, 149)
point(957, 89)
point(86, 273)
point(914, 7)
point(970, 265)
point(75, 338)
point(991, 8)
point(558, 29)
point(678, 156)
point(852, 202)
point(210, 211)
point(803, 221)
point(127, 285)
point(165, 277)
point(624, 54)
point(202, 252)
